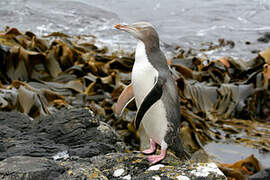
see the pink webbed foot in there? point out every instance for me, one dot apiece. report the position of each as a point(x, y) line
point(152, 148)
point(157, 158)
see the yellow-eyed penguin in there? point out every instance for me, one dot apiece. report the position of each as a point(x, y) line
point(155, 93)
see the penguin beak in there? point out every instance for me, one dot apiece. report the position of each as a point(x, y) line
point(124, 27)
point(130, 29)
point(119, 26)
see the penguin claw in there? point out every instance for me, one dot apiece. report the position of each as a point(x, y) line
point(155, 159)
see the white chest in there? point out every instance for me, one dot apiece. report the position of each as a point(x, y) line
point(143, 79)
point(143, 74)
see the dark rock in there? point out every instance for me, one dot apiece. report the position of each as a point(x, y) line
point(265, 38)
point(7, 132)
point(262, 175)
point(75, 127)
point(14, 121)
point(91, 149)
point(30, 145)
point(75, 131)
point(30, 168)
point(17, 139)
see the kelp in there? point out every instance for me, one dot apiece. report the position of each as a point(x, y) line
point(240, 170)
point(224, 98)
point(221, 91)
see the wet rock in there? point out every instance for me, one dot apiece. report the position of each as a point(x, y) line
point(241, 169)
point(24, 168)
point(262, 175)
point(265, 38)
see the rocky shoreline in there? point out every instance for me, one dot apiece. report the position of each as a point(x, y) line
point(57, 98)
point(74, 144)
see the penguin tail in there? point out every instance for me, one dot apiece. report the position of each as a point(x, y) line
point(179, 150)
point(183, 155)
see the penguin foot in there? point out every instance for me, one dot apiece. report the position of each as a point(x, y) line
point(152, 148)
point(157, 158)
point(148, 151)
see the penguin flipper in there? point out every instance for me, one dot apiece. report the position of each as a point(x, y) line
point(124, 99)
point(153, 96)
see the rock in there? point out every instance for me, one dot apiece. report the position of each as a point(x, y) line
point(30, 145)
point(261, 175)
point(75, 127)
point(80, 169)
point(131, 165)
point(24, 168)
point(91, 149)
point(14, 122)
point(8, 98)
point(7, 132)
point(75, 131)
point(265, 38)
point(135, 166)
point(74, 144)
point(81, 131)
point(242, 168)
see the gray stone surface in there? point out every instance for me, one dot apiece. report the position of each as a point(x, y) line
point(134, 165)
point(74, 144)
point(76, 131)
point(29, 168)
point(131, 165)
point(262, 175)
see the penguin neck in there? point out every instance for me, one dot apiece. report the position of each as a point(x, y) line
point(141, 55)
point(151, 44)
point(145, 49)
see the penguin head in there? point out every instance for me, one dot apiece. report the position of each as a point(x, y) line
point(143, 31)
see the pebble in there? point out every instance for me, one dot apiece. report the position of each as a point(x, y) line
point(156, 178)
point(118, 172)
point(155, 167)
point(182, 177)
point(127, 177)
